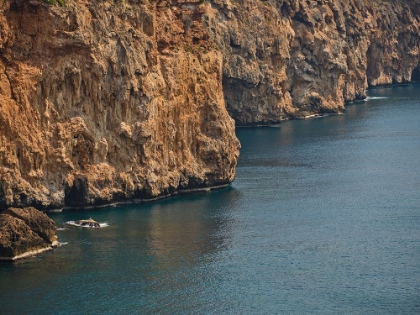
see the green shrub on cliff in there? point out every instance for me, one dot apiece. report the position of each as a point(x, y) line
point(52, 2)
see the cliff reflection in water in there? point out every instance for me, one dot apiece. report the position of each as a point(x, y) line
point(147, 253)
point(183, 236)
point(161, 236)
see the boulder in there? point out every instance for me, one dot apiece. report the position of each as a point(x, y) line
point(25, 232)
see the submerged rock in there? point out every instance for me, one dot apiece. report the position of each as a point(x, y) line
point(25, 232)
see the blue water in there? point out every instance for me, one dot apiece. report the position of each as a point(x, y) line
point(323, 218)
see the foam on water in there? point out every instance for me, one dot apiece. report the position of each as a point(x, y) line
point(370, 98)
point(72, 223)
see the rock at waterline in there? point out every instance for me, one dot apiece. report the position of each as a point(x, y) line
point(25, 232)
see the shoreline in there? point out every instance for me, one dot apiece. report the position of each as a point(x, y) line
point(30, 253)
point(322, 115)
point(217, 187)
point(140, 201)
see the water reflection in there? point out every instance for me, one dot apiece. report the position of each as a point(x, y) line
point(147, 252)
point(174, 231)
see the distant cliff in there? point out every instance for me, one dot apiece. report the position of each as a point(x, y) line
point(107, 101)
point(293, 58)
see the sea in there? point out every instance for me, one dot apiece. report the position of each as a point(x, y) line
point(322, 218)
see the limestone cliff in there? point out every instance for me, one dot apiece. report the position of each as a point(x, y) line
point(104, 101)
point(293, 58)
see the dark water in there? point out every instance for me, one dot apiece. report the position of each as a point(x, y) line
point(323, 218)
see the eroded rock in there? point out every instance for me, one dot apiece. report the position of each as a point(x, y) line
point(103, 102)
point(25, 232)
point(290, 59)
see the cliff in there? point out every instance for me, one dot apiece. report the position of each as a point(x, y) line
point(107, 101)
point(25, 232)
point(103, 102)
point(290, 59)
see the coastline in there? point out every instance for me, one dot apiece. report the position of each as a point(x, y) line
point(145, 200)
point(30, 253)
point(218, 187)
point(215, 187)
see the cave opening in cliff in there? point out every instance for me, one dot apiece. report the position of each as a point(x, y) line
point(415, 75)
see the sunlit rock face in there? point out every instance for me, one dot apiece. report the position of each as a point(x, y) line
point(112, 101)
point(290, 59)
point(104, 101)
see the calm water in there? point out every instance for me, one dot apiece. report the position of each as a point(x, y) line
point(323, 218)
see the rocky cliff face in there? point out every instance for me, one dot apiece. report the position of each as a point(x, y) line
point(104, 101)
point(25, 232)
point(290, 59)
